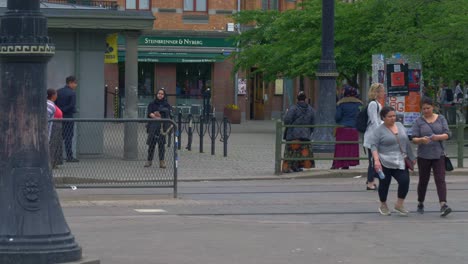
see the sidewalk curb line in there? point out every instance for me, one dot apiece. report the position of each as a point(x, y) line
point(312, 175)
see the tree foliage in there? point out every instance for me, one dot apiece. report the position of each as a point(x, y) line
point(288, 43)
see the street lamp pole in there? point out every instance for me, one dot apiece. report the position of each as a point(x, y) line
point(32, 225)
point(326, 75)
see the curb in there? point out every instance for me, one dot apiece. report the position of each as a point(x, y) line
point(315, 174)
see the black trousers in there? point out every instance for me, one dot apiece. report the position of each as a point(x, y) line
point(56, 144)
point(401, 176)
point(67, 134)
point(371, 174)
point(152, 141)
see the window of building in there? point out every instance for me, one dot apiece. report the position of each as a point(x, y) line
point(270, 4)
point(193, 79)
point(138, 4)
point(195, 5)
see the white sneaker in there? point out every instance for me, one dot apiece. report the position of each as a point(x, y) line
point(383, 209)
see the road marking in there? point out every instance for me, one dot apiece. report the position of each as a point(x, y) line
point(150, 210)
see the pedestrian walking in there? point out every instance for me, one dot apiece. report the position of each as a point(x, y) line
point(376, 93)
point(157, 109)
point(299, 114)
point(429, 131)
point(390, 146)
point(66, 101)
point(347, 110)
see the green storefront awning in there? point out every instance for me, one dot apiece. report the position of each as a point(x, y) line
point(176, 57)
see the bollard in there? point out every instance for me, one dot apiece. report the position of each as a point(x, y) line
point(278, 144)
point(460, 143)
point(213, 134)
point(201, 135)
point(190, 133)
point(176, 164)
point(225, 136)
point(179, 135)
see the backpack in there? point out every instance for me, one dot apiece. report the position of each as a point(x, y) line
point(362, 119)
point(449, 95)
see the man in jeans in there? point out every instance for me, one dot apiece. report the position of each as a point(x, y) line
point(66, 101)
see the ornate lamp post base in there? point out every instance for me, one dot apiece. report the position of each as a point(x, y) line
point(33, 229)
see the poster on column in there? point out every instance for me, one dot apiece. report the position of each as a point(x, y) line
point(397, 79)
point(398, 102)
point(414, 80)
point(412, 108)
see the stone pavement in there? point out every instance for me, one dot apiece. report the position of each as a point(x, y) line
point(251, 154)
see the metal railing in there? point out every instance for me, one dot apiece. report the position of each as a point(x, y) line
point(108, 153)
point(108, 4)
point(456, 140)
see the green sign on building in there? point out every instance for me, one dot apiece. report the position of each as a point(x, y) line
point(184, 41)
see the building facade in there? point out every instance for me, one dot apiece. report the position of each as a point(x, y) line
point(187, 54)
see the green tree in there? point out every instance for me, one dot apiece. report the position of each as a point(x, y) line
point(434, 29)
point(280, 44)
point(288, 44)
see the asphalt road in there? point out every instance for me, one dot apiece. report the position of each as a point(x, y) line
point(271, 222)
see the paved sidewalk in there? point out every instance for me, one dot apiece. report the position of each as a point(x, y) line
point(251, 154)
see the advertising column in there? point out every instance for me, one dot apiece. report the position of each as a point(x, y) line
point(402, 77)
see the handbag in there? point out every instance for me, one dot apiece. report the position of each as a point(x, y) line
point(448, 162)
point(408, 162)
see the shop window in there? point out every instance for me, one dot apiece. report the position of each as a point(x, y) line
point(192, 80)
point(138, 4)
point(195, 5)
point(270, 4)
point(146, 80)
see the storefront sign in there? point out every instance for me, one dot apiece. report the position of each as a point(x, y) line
point(185, 41)
point(241, 86)
point(111, 55)
point(177, 57)
point(279, 86)
point(177, 60)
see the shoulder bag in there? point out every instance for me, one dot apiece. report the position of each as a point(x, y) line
point(408, 162)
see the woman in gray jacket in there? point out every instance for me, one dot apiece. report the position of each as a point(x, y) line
point(390, 145)
point(299, 114)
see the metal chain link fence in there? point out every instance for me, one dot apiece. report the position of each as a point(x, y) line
point(109, 153)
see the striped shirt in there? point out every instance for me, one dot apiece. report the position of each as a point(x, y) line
point(50, 115)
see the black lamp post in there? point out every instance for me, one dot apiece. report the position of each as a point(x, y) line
point(327, 81)
point(32, 226)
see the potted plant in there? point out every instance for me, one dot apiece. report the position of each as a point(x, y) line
point(232, 113)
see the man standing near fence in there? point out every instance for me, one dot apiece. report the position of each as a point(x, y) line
point(66, 101)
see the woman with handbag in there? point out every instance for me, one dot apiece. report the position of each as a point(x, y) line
point(428, 131)
point(392, 155)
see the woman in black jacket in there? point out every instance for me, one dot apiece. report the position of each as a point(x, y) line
point(157, 109)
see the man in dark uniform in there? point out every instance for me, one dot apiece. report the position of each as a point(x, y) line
point(66, 101)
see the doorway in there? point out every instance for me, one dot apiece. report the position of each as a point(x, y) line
point(256, 92)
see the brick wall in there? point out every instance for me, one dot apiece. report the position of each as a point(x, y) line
point(223, 85)
point(178, 20)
